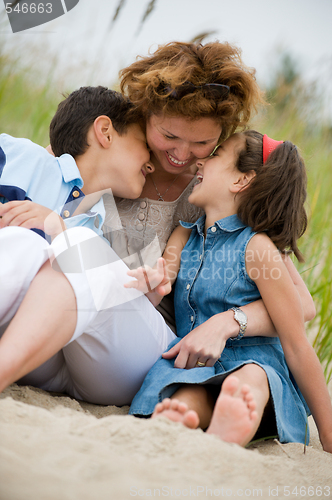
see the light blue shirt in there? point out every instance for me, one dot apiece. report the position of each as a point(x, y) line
point(29, 172)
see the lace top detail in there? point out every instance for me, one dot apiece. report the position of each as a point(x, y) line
point(138, 230)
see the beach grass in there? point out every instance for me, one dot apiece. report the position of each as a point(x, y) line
point(27, 104)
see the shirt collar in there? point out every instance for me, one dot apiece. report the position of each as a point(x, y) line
point(200, 223)
point(228, 224)
point(70, 170)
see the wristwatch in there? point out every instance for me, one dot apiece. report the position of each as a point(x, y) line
point(241, 318)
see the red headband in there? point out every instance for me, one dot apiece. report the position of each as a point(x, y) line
point(269, 145)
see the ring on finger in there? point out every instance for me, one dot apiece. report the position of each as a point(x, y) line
point(200, 364)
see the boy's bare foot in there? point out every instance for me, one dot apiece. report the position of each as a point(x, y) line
point(234, 418)
point(175, 410)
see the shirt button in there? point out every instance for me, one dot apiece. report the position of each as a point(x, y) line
point(143, 204)
point(139, 227)
point(76, 194)
point(66, 213)
point(188, 286)
point(141, 216)
point(200, 257)
point(192, 318)
point(213, 229)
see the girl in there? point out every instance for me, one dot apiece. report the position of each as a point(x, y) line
point(192, 96)
point(252, 190)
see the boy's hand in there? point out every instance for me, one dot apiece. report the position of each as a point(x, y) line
point(204, 344)
point(31, 216)
point(154, 282)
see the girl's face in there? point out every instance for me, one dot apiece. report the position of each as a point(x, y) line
point(217, 173)
point(177, 142)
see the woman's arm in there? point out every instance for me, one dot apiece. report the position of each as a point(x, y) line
point(285, 309)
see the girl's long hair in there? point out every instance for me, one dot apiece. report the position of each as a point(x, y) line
point(274, 201)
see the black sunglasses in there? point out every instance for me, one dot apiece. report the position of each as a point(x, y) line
point(215, 90)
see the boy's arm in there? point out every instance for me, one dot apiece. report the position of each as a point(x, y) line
point(157, 282)
point(31, 216)
point(283, 304)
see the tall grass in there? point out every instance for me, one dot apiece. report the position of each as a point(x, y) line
point(26, 105)
point(26, 108)
point(296, 114)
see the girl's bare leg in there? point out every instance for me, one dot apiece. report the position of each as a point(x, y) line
point(239, 408)
point(192, 405)
point(43, 324)
point(234, 417)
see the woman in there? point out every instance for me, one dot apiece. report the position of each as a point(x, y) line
point(192, 96)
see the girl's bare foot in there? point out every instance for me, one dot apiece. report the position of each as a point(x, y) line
point(234, 418)
point(175, 410)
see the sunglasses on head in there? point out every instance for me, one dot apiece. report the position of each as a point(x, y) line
point(215, 90)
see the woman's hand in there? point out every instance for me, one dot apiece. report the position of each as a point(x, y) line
point(204, 344)
point(31, 216)
point(154, 282)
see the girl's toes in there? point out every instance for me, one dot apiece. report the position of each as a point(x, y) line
point(182, 407)
point(230, 385)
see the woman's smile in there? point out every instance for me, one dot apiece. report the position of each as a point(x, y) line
point(175, 162)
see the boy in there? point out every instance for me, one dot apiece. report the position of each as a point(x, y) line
point(98, 145)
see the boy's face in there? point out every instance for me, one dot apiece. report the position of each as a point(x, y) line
point(129, 157)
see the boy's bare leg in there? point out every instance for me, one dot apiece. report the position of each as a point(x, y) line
point(239, 408)
point(192, 405)
point(43, 324)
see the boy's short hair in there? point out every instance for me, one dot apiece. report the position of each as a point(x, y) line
point(75, 115)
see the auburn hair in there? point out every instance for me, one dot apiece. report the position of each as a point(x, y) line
point(171, 65)
point(274, 201)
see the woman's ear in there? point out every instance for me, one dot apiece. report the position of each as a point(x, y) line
point(104, 130)
point(243, 181)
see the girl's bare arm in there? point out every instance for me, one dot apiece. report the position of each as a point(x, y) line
point(284, 306)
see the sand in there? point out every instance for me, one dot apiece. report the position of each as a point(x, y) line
point(53, 447)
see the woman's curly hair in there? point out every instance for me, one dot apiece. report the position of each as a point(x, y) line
point(150, 81)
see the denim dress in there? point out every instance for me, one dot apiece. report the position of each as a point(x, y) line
point(211, 280)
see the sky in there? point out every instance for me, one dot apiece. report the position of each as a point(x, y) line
point(83, 47)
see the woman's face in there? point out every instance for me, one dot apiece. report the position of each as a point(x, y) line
point(177, 142)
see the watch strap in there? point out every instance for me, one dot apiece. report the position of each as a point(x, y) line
point(243, 326)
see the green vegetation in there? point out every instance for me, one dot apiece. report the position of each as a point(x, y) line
point(26, 105)
point(26, 108)
point(296, 114)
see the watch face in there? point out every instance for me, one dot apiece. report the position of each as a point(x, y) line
point(240, 316)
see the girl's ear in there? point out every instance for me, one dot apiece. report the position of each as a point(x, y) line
point(104, 131)
point(243, 181)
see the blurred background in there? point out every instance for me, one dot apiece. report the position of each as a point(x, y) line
point(289, 42)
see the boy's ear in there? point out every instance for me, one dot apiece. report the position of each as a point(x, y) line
point(243, 181)
point(104, 130)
